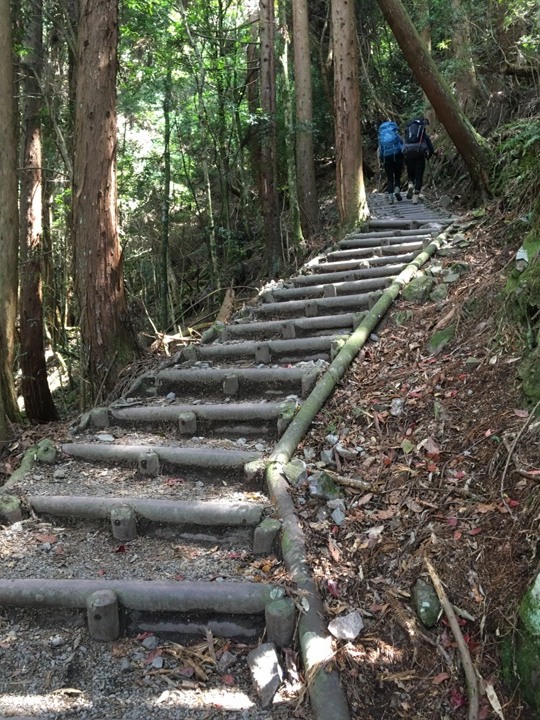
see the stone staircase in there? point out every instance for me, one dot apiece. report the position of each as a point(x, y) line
point(180, 461)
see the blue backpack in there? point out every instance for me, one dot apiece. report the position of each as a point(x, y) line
point(389, 141)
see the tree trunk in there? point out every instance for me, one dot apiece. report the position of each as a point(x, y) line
point(471, 146)
point(108, 341)
point(305, 164)
point(288, 112)
point(8, 223)
point(465, 80)
point(351, 194)
point(269, 199)
point(166, 202)
point(38, 401)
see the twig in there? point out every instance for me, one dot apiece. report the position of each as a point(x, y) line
point(466, 660)
point(511, 451)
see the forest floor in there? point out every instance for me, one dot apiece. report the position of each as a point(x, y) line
point(449, 471)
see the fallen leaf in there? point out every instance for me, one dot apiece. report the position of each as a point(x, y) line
point(44, 538)
point(121, 549)
point(440, 677)
point(521, 413)
point(333, 588)
point(228, 680)
point(475, 531)
point(494, 700)
point(457, 699)
point(334, 550)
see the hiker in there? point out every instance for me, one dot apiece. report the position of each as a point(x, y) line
point(391, 157)
point(417, 147)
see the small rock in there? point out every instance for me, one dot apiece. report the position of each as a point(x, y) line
point(331, 439)
point(170, 397)
point(426, 601)
point(56, 641)
point(151, 642)
point(266, 672)
point(125, 665)
point(338, 516)
point(327, 457)
point(59, 474)
point(157, 663)
point(105, 437)
point(396, 408)
point(347, 627)
point(226, 661)
point(295, 471)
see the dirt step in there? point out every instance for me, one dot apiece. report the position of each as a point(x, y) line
point(380, 250)
point(310, 348)
point(291, 328)
point(228, 382)
point(349, 275)
point(387, 240)
point(234, 609)
point(199, 521)
point(382, 235)
point(360, 263)
point(327, 290)
point(231, 419)
point(216, 464)
point(319, 306)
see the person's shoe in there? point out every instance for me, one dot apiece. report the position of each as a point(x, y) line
point(416, 198)
point(410, 191)
point(397, 194)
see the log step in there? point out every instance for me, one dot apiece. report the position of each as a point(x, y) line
point(291, 328)
point(382, 271)
point(327, 290)
point(320, 306)
point(208, 419)
point(264, 352)
point(360, 263)
point(228, 382)
point(197, 462)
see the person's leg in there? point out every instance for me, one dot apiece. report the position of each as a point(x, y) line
point(410, 178)
point(389, 169)
point(398, 169)
point(420, 165)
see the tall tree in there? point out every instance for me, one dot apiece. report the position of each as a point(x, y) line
point(8, 223)
point(350, 189)
point(38, 401)
point(472, 147)
point(305, 163)
point(108, 341)
point(269, 199)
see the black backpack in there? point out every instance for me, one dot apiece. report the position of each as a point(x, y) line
point(415, 144)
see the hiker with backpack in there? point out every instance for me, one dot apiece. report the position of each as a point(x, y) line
point(417, 147)
point(391, 157)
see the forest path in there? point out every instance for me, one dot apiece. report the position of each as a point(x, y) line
point(160, 524)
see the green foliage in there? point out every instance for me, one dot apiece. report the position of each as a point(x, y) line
point(518, 168)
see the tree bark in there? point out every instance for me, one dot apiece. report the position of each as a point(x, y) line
point(465, 80)
point(472, 147)
point(305, 163)
point(288, 112)
point(107, 337)
point(269, 199)
point(8, 224)
point(38, 402)
point(351, 194)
